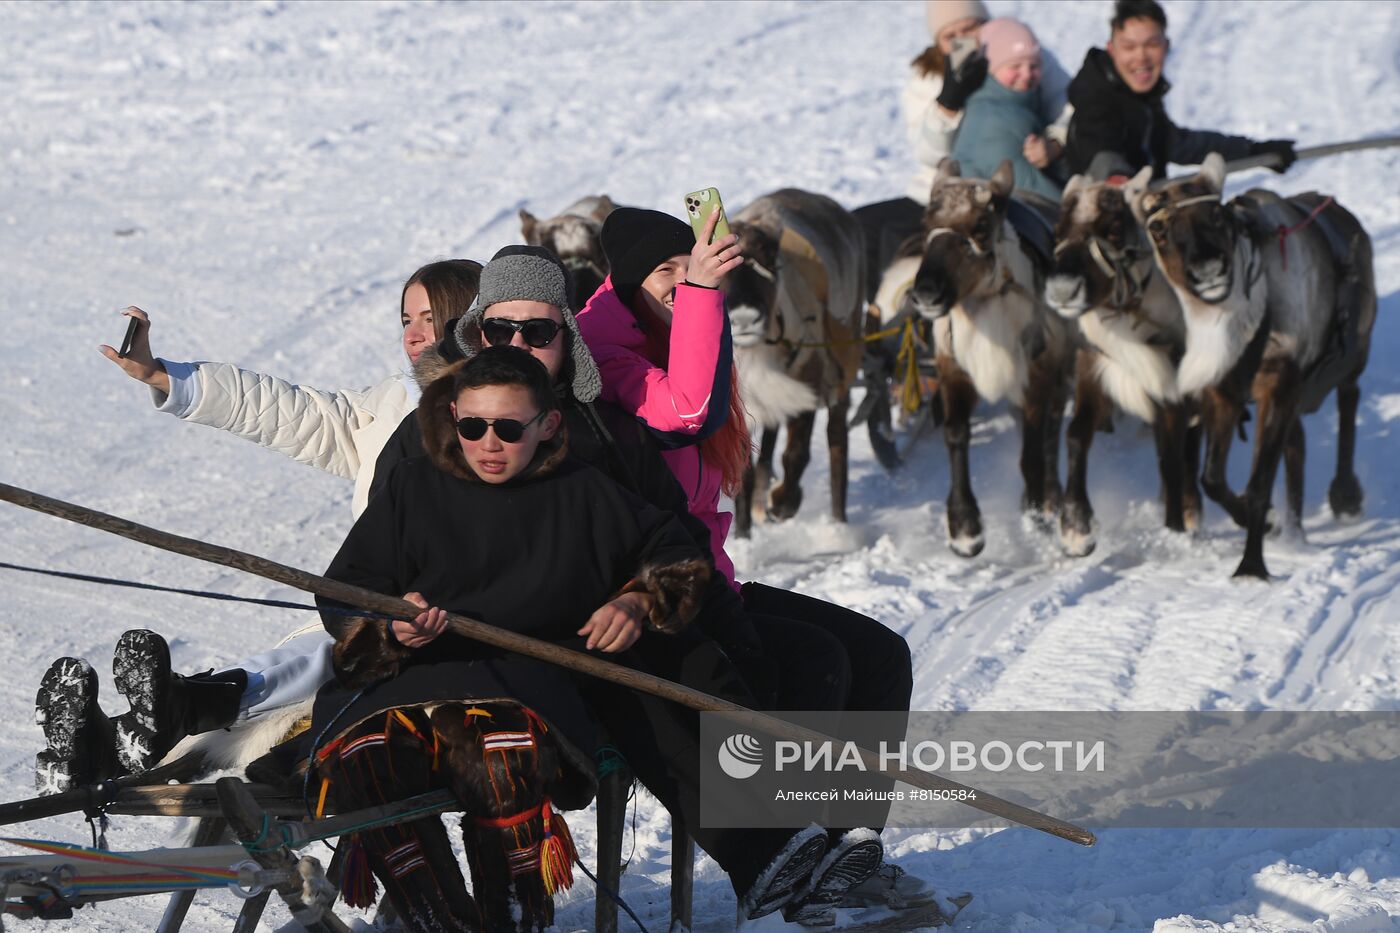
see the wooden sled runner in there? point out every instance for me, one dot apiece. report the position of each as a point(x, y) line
point(270, 826)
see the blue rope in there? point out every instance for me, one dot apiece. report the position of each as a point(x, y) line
point(609, 760)
point(316, 743)
point(612, 894)
point(202, 594)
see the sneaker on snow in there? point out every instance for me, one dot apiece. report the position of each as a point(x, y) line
point(890, 886)
point(785, 875)
point(77, 733)
point(853, 859)
point(165, 706)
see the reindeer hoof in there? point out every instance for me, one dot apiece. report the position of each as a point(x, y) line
point(1077, 543)
point(783, 502)
point(1039, 521)
point(1252, 568)
point(1344, 495)
point(1191, 521)
point(967, 545)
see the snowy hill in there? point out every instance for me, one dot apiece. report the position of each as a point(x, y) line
point(261, 177)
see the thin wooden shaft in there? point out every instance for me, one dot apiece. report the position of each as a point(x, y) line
point(251, 913)
point(37, 808)
point(682, 876)
point(210, 832)
point(530, 647)
point(250, 822)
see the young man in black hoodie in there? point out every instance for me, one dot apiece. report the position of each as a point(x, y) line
point(1120, 123)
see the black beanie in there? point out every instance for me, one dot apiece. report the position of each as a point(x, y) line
point(636, 241)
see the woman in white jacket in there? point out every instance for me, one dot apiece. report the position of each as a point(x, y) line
point(341, 432)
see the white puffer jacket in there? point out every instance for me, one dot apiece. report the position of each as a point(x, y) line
point(339, 432)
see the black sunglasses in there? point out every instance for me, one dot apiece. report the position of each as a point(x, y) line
point(537, 332)
point(508, 430)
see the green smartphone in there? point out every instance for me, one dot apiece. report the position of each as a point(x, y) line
point(699, 205)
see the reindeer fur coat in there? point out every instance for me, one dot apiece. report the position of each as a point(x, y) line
point(536, 555)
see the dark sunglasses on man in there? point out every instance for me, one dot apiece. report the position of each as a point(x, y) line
point(538, 332)
point(508, 430)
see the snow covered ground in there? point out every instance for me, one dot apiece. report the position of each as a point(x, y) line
point(262, 176)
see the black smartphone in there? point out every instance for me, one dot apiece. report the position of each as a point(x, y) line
point(132, 326)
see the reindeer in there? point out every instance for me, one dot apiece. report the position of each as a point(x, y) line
point(797, 315)
point(994, 338)
point(1133, 334)
point(1279, 298)
point(575, 236)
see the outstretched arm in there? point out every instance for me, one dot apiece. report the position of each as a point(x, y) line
point(309, 425)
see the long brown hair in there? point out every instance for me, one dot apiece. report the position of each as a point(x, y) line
point(730, 448)
point(451, 285)
point(930, 61)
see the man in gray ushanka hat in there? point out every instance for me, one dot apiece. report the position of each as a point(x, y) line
point(524, 274)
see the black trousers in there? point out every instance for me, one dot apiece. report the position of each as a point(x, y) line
point(887, 224)
point(661, 740)
point(881, 669)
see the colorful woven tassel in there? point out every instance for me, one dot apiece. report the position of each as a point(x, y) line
point(557, 852)
point(357, 882)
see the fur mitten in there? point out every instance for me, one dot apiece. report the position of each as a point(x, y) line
point(367, 651)
point(677, 592)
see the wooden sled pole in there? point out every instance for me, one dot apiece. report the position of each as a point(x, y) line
point(97, 796)
point(1272, 159)
point(530, 647)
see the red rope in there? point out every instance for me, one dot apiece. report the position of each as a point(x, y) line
point(1285, 232)
point(504, 822)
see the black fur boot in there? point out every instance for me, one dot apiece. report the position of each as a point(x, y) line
point(165, 706)
point(501, 763)
point(391, 757)
point(78, 734)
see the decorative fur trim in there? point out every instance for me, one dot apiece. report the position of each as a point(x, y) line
point(440, 433)
point(676, 590)
point(367, 651)
point(431, 366)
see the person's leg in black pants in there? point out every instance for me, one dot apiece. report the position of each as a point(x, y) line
point(881, 670)
point(660, 740)
point(882, 673)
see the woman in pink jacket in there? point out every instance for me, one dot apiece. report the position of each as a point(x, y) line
point(660, 335)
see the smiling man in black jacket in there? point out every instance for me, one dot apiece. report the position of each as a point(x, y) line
point(1120, 123)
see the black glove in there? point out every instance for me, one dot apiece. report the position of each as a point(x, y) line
point(960, 82)
point(1283, 148)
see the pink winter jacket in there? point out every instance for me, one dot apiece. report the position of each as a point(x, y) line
point(681, 405)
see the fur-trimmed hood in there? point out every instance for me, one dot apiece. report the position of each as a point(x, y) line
point(462, 340)
point(440, 433)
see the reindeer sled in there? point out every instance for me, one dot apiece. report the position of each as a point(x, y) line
point(271, 826)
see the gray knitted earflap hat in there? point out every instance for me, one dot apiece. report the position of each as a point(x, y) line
point(532, 273)
point(524, 273)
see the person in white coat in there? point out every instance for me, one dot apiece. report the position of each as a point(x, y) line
point(341, 432)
